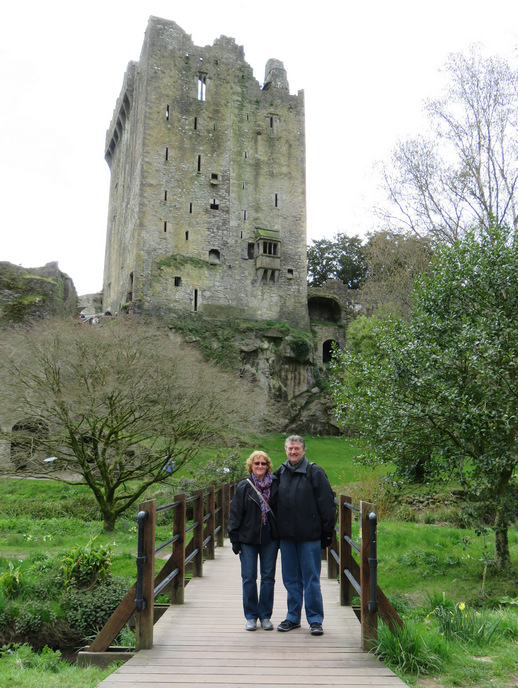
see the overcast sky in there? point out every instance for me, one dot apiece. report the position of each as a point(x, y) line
point(365, 69)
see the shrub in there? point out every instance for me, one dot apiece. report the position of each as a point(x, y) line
point(86, 566)
point(32, 617)
point(88, 610)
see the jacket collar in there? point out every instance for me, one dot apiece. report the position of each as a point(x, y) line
point(300, 467)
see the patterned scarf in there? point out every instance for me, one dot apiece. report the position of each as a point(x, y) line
point(264, 488)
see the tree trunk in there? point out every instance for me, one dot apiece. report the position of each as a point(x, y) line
point(109, 522)
point(502, 558)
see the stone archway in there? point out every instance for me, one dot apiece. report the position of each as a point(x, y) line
point(327, 350)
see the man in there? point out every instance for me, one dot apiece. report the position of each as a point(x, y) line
point(305, 520)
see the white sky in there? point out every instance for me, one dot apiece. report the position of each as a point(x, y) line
point(365, 68)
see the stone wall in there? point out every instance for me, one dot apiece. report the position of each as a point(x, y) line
point(207, 199)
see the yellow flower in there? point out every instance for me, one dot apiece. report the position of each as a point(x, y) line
point(462, 606)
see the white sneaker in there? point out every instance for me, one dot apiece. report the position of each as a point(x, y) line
point(251, 624)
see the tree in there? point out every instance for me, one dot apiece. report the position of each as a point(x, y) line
point(394, 261)
point(438, 396)
point(464, 174)
point(341, 258)
point(118, 403)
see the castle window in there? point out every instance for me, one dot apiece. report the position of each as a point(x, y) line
point(177, 281)
point(244, 214)
point(289, 273)
point(195, 123)
point(167, 112)
point(195, 300)
point(327, 350)
point(190, 208)
point(165, 226)
point(276, 200)
point(246, 155)
point(243, 185)
point(167, 153)
point(214, 205)
point(199, 163)
point(251, 251)
point(202, 86)
point(186, 236)
point(214, 257)
point(270, 248)
point(165, 195)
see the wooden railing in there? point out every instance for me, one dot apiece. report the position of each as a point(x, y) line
point(360, 579)
point(210, 519)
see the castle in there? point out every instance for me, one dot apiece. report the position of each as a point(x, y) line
point(207, 210)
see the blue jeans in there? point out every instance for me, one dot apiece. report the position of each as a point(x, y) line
point(301, 562)
point(258, 607)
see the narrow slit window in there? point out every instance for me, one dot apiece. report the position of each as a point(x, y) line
point(177, 281)
point(167, 112)
point(165, 195)
point(202, 86)
point(190, 208)
point(165, 226)
point(187, 236)
point(167, 153)
point(195, 123)
point(195, 300)
point(276, 200)
point(244, 214)
point(246, 155)
point(199, 163)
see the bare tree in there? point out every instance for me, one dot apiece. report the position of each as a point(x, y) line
point(464, 174)
point(116, 404)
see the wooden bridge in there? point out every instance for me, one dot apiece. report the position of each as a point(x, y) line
point(202, 642)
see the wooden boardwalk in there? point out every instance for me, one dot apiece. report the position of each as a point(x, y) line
point(203, 642)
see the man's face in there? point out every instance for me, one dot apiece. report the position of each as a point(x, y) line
point(294, 452)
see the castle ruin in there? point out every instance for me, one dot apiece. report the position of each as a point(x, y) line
point(207, 210)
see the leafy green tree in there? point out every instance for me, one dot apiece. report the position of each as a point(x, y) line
point(438, 395)
point(119, 403)
point(341, 258)
point(463, 173)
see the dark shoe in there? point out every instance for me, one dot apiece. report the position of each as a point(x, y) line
point(251, 624)
point(287, 625)
point(266, 625)
point(316, 629)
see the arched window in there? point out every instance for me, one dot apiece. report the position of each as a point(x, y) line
point(327, 350)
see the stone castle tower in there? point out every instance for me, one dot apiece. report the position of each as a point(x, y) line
point(207, 208)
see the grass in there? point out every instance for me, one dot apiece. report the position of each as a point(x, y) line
point(423, 562)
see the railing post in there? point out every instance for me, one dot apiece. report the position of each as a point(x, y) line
point(345, 550)
point(197, 539)
point(332, 563)
point(369, 620)
point(210, 528)
point(178, 555)
point(225, 505)
point(144, 617)
point(220, 518)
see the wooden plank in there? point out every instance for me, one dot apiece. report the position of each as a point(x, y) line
point(203, 642)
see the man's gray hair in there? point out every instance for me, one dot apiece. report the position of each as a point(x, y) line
point(294, 438)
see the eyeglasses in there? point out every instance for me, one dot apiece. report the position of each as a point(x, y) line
point(260, 463)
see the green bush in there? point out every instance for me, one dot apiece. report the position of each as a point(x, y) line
point(88, 610)
point(11, 581)
point(86, 566)
point(32, 617)
point(465, 624)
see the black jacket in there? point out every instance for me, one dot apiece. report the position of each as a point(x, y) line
point(245, 520)
point(305, 502)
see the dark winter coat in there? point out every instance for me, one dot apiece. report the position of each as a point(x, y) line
point(245, 520)
point(305, 503)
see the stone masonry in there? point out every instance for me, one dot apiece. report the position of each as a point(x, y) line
point(207, 208)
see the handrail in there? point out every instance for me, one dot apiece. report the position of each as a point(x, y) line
point(210, 521)
point(360, 579)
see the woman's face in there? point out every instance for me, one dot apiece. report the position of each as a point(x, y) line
point(260, 467)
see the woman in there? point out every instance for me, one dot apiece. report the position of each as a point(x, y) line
point(253, 533)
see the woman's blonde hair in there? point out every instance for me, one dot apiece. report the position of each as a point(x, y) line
point(256, 455)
